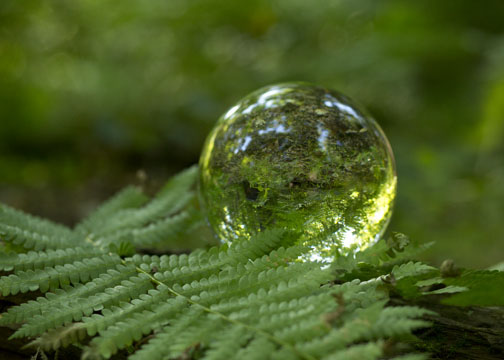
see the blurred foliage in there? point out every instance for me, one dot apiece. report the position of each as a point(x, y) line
point(92, 91)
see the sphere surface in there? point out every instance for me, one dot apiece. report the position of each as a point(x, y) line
point(300, 157)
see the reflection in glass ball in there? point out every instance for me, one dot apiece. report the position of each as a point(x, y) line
point(300, 157)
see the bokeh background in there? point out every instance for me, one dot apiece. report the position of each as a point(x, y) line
point(91, 92)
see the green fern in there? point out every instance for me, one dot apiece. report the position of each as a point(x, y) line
point(476, 288)
point(31, 232)
point(467, 287)
point(251, 300)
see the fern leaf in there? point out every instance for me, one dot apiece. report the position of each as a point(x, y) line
point(156, 348)
point(485, 288)
point(99, 322)
point(165, 230)
point(227, 343)
point(451, 289)
point(33, 232)
point(368, 351)
point(194, 325)
point(109, 279)
point(266, 286)
point(54, 277)
point(198, 265)
point(39, 260)
point(371, 262)
point(411, 269)
point(171, 199)
point(129, 198)
point(32, 223)
point(59, 337)
point(258, 349)
point(125, 332)
point(31, 240)
point(74, 309)
point(397, 321)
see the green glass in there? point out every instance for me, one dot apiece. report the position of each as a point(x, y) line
point(301, 157)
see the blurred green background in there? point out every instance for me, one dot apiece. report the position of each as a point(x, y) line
point(93, 91)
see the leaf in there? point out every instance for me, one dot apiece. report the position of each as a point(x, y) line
point(411, 269)
point(485, 288)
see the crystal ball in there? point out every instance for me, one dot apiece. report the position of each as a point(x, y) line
point(300, 157)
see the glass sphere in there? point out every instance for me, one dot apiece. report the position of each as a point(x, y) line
point(300, 157)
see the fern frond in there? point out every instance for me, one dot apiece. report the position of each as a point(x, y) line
point(411, 269)
point(98, 322)
point(59, 337)
point(41, 259)
point(123, 333)
point(293, 313)
point(259, 348)
point(53, 300)
point(32, 240)
point(187, 268)
point(395, 321)
point(470, 287)
point(75, 308)
point(165, 230)
point(195, 324)
point(450, 289)
point(227, 343)
point(375, 260)
point(130, 198)
point(51, 278)
point(368, 351)
point(148, 321)
point(156, 348)
point(171, 199)
point(485, 288)
point(31, 223)
point(32, 232)
point(260, 289)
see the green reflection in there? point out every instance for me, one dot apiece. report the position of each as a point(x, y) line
point(300, 157)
